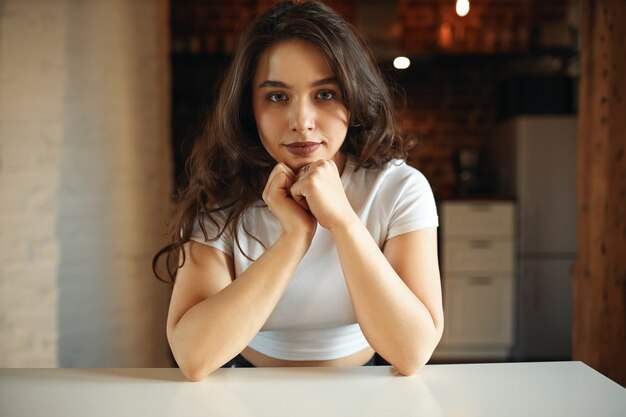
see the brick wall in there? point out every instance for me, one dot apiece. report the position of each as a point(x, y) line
point(452, 86)
point(451, 106)
point(85, 178)
point(501, 26)
point(210, 27)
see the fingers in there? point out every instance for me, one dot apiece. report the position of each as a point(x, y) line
point(301, 201)
point(283, 183)
point(292, 215)
point(298, 188)
point(319, 165)
point(281, 178)
point(277, 193)
point(319, 185)
point(303, 180)
point(279, 170)
point(308, 169)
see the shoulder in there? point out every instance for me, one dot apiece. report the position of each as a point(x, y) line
point(399, 170)
point(405, 183)
point(213, 224)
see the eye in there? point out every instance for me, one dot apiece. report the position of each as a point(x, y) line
point(326, 95)
point(276, 97)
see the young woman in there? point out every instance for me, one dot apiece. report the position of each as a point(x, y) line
point(303, 239)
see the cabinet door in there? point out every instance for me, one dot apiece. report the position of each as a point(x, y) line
point(478, 254)
point(478, 310)
point(480, 218)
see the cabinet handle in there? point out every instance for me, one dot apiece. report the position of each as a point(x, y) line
point(480, 280)
point(480, 244)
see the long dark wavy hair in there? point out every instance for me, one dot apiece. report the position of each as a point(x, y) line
point(228, 166)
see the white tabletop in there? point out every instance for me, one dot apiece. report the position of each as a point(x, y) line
point(515, 389)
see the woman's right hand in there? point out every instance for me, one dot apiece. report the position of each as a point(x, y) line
point(293, 217)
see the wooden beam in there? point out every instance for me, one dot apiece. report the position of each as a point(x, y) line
point(599, 287)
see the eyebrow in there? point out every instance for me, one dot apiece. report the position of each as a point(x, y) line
point(280, 84)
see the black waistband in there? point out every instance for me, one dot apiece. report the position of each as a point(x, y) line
point(241, 362)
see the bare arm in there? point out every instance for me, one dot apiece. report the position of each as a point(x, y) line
point(211, 319)
point(396, 292)
point(213, 316)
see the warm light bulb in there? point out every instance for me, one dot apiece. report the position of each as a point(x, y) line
point(462, 7)
point(401, 62)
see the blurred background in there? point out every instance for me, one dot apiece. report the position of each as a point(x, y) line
point(100, 102)
point(466, 73)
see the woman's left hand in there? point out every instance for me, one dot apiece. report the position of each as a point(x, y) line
point(318, 188)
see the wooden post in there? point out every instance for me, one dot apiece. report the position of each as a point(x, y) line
point(599, 316)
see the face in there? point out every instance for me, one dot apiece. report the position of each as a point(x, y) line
point(298, 106)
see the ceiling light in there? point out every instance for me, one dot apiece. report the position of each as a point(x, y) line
point(401, 62)
point(462, 7)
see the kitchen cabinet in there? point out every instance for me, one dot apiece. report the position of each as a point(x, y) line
point(478, 276)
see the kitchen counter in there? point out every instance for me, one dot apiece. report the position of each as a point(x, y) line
point(501, 390)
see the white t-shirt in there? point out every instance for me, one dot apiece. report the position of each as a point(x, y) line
point(314, 319)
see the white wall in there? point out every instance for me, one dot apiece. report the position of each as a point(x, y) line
point(85, 179)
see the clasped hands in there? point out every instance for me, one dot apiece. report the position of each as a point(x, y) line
point(314, 194)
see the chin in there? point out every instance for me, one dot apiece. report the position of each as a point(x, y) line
point(296, 163)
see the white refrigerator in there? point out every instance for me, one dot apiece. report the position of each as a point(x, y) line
point(535, 161)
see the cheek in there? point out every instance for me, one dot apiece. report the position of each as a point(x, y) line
point(268, 123)
point(337, 121)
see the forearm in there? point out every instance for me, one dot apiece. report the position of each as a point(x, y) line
point(218, 328)
point(394, 320)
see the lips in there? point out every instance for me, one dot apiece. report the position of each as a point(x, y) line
point(302, 148)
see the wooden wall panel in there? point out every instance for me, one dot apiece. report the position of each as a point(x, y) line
point(599, 316)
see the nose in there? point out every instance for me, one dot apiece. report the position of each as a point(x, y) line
point(302, 116)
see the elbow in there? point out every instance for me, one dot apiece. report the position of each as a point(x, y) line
point(193, 367)
point(196, 372)
point(193, 374)
point(407, 371)
point(192, 371)
point(410, 361)
point(410, 367)
point(414, 360)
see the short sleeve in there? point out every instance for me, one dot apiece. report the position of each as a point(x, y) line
point(415, 206)
point(224, 242)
